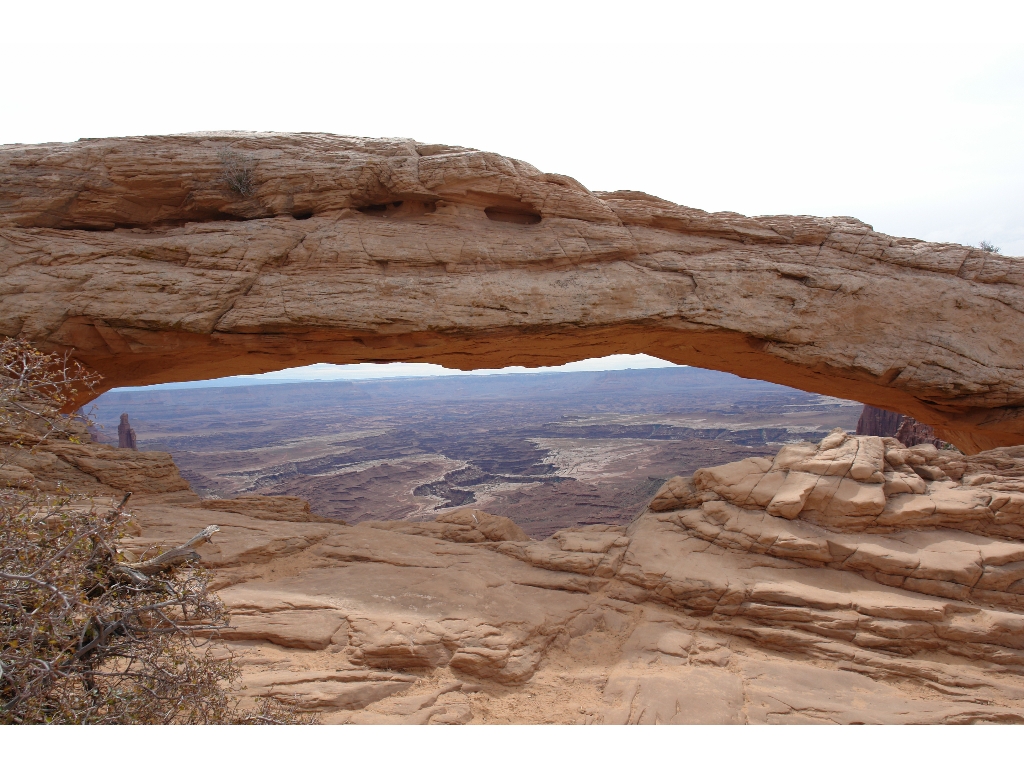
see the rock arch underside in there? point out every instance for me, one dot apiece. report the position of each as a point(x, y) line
point(184, 257)
point(851, 580)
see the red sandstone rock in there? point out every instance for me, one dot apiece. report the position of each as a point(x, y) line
point(913, 432)
point(163, 258)
point(287, 508)
point(906, 429)
point(735, 588)
point(879, 422)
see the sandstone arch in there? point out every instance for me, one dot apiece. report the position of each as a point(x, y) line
point(165, 258)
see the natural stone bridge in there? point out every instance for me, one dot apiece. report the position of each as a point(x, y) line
point(167, 258)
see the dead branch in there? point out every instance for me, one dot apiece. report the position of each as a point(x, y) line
point(177, 556)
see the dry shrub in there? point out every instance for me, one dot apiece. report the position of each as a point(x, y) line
point(239, 172)
point(35, 389)
point(88, 633)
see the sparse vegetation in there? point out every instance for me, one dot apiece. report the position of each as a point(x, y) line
point(34, 389)
point(239, 172)
point(91, 632)
point(986, 246)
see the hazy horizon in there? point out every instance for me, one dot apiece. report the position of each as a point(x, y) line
point(367, 371)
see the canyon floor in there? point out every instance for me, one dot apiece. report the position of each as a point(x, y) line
point(547, 450)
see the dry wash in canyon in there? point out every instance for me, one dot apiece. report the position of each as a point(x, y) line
point(851, 579)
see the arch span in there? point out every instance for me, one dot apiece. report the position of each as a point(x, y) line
point(156, 259)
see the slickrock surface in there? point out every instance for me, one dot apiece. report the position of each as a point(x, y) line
point(851, 581)
point(163, 258)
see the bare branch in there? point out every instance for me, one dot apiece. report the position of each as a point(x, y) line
point(86, 637)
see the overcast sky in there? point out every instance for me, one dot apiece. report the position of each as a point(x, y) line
point(909, 116)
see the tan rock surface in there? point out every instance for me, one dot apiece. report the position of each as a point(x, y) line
point(288, 508)
point(92, 468)
point(853, 580)
point(180, 257)
point(469, 526)
point(708, 608)
point(719, 605)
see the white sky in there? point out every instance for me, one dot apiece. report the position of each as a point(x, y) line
point(909, 116)
point(389, 370)
point(361, 371)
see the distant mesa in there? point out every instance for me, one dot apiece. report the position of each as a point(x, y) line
point(125, 434)
point(138, 257)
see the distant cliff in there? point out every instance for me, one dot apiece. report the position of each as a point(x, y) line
point(882, 423)
point(879, 422)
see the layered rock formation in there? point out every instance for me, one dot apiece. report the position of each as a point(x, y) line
point(93, 469)
point(836, 582)
point(925, 521)
point(163, 258)
point(851, 581)
point(854, 580)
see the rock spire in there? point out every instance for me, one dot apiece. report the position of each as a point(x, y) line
point(125, 434)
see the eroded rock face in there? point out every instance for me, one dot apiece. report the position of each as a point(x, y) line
point(906, 429)
point(469, 526)
point(912, 432)
point(164, 258)
point(938, 532)
point(91, 468)
point(879, 422)
point(854, 580)
point(287, 508)
point(869, 484)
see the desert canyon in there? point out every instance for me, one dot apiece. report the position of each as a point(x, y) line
point(833, 577)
